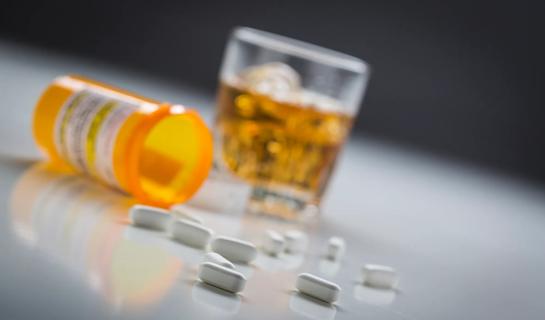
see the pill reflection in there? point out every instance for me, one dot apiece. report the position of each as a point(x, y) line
point(311, 308)
point(293, 261)
point(268, 263)
point(215, 299)
point(329, 267)
point(374, 296)
point(78, 223)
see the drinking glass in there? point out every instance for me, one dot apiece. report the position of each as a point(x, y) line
point(284, 111)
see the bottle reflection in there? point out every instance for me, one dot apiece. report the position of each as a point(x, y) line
point(81, 224)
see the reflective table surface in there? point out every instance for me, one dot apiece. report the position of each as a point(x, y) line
point(467, 243)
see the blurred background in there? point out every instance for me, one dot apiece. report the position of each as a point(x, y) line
point(453, 78)
point(456, 81)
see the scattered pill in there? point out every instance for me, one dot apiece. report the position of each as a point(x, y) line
point(190, 233)
point(234, 250)
point(296, 241)
point(218, 259)
point(317, 287)
point(150, 217)
point(273, 243)
point(181, 213)
point(222, 277)
point(335, 248)
point(379, 276)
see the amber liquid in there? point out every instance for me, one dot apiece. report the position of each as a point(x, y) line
point(278, 145)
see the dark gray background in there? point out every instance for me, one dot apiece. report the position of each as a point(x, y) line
point(456, 78)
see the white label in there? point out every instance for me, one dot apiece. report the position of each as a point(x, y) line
point(86, 130)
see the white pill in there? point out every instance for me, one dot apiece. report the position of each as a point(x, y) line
point(296, 241)
point(234, 250)
point(317, 287)
point(149, 217)
point(335, 248)
point(181, 213)
point(273, 243)
point(190, 233)
point(218, 259)
point(222, 277)
point(379, 276)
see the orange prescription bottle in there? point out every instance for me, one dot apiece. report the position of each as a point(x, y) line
point(160, 153)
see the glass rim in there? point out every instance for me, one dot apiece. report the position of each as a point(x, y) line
point(301, 49)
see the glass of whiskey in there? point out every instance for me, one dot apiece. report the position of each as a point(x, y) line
point(284, 111)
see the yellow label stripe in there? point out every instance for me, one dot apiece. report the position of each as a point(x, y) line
point(93, 132)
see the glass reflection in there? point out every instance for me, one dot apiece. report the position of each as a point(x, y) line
point(81, 224)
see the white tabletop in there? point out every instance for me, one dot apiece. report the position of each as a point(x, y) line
point(468, 244)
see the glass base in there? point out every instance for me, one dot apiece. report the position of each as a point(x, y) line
point(282, 205)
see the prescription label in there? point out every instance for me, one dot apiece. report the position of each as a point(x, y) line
point(86, 129)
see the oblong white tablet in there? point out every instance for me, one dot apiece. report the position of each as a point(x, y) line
point(335, 248)
point(379, 276)
point(222, 277)
point(218, 259)
point(296, 241)
point(181, 213)
point(317, 287)
point(149, 217)
point(273, 243)
point(191, 233)
point(234, 250)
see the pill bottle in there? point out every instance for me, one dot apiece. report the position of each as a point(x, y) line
point(158, 152)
